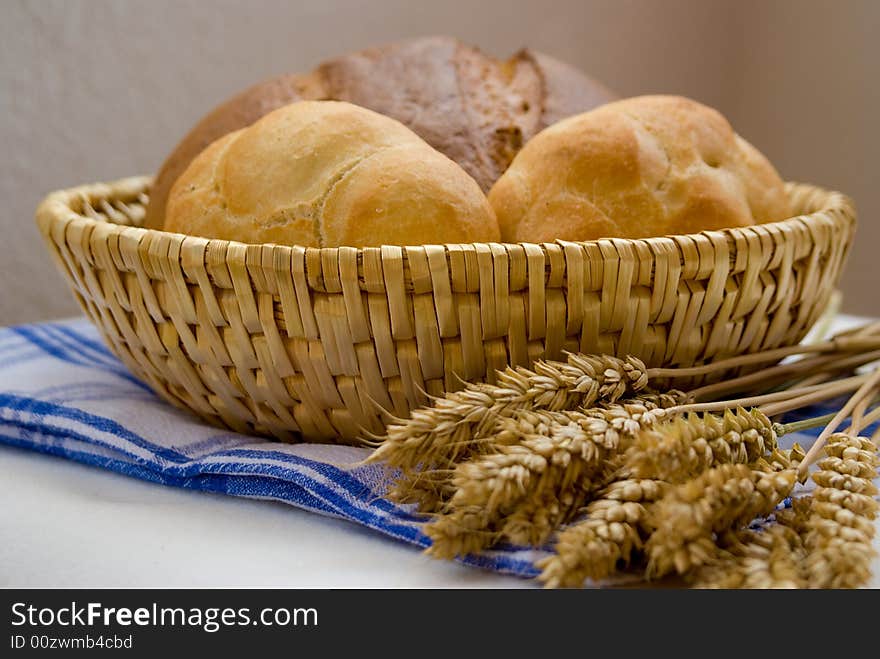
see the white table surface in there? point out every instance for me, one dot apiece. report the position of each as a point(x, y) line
point(67, 524)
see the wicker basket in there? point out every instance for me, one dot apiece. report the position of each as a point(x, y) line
point(309, 343)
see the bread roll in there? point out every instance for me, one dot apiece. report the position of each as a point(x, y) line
point(645, 166)
point(327, 173)
point(475, 109)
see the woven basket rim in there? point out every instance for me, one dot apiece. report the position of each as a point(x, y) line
point(58, 205)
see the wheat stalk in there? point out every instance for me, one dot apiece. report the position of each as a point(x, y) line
point(839, 530)
point(857, 340)
point(518, 459)
point(592, 548)
point(720, 499)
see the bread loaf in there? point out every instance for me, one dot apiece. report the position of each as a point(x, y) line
point(327, 173)
point(475, 109)
point(645, 166)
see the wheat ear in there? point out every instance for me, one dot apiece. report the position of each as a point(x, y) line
point(840, 530)
point(593, 547)
point(687, 446)
point(723, 498)
point(535, 481)
point(796, 515)
point(461, 423)
point(768, 558)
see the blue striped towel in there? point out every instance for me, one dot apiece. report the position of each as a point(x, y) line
point(62, 392)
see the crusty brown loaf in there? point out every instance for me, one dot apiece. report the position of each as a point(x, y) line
point(645, 166)
point(328, 173)
point(475, 109)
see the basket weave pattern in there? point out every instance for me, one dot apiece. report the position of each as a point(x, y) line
point(309, 343)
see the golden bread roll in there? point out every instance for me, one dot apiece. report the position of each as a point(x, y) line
point(475, 109)
point(325, 174)
point(639, 167)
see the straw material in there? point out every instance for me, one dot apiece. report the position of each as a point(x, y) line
point(311, 343)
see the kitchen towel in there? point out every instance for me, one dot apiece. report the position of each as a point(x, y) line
point(64, 393)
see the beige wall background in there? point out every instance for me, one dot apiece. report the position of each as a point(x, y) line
point(100, 89)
